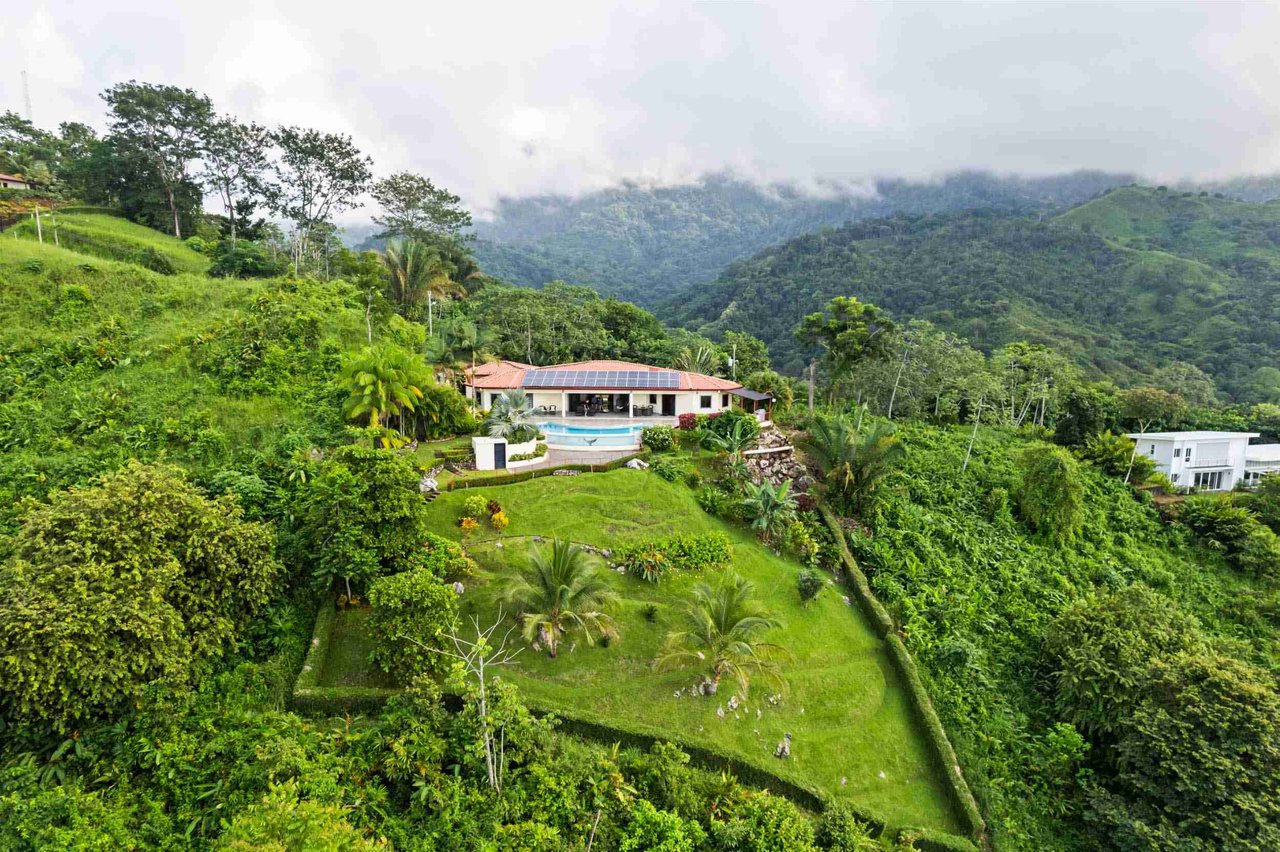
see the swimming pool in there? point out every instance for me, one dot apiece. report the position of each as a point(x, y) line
point(592, 437)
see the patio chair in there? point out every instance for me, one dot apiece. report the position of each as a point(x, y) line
point(551, 409)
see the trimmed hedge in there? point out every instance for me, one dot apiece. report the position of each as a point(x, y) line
point(310, 699)
point(526, 475)
point(944, 754)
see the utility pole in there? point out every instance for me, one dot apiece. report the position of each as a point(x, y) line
point(26, 93)
point(39, 230)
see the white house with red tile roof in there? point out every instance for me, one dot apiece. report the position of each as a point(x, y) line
point(13, 182)
point(619, 388)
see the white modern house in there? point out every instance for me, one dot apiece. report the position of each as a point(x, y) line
point(607, 388)
point(1209, 461)
point(13, 182)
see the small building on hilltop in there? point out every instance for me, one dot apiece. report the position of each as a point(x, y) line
point(13, 182)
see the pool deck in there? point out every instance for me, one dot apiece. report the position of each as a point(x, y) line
point(608, 420)
point(557, 456)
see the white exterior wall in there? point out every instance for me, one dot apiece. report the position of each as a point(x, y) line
point(1218, 453)
point(690, 402)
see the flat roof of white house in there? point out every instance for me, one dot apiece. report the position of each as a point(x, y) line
point(1262, 453)
point(1191, 436)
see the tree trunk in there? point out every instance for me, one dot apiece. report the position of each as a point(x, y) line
point(813, 378)
point(173, 208)
point(430, 311)
point(894, 395)
point(976, 420)
point(1142, 430)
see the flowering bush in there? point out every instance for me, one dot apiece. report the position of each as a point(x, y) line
point(499, 520)
point(688, 421)
point(442, 558)
point(660, 439)
point(469, 525)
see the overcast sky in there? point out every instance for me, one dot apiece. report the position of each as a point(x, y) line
point(521, 97)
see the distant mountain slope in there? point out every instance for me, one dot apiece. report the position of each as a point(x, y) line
point(1074, 283)
point(645, 244)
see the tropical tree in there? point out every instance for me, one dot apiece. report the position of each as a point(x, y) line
point(382, 381)
point(511, 417)
point(415, 208)
point(697, 359)
point(320, 175)
point(561, 590)
point(724, 626)
point(164, 126)
point(235, 159)
point(852, 459)
point(847, 331)
point(770, 507)
point(418, 273)
point(1147, 406)
point(460, 344)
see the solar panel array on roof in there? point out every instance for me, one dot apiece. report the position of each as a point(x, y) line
point(633, 379)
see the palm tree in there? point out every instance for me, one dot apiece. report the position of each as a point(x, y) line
point(461, 343)
point(770, 507)
point(511, 417)
point(723, 626)
point(853, 460)
point(699, 359)
point(382, 381)
point(561, 590)
point(418, 271)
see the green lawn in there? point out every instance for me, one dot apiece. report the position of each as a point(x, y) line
point(854, 735)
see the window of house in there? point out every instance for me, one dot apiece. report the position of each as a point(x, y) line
point(724, 400)
point(1177, 452)
point(705, 401)
point(1187, 455)
point(1174, 478)
point(1153, 450)
point(653, 399)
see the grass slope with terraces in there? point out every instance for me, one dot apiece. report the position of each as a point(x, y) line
point(110, 238)
point(855, 737)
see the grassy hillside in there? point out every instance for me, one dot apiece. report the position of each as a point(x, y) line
point(112, 238)
point(1237, 236)
point(101, 361)
point(854, 734)
point(647, 243)
point(1118, 305)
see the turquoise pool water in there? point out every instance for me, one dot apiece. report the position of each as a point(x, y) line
point(591, 437)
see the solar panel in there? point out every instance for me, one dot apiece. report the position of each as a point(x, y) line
point(629, 379)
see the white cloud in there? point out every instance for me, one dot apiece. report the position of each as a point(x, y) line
point(493, 99)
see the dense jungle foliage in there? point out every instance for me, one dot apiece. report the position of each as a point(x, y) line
point(645, 244)
point(1101, 678)
point(1122, 285)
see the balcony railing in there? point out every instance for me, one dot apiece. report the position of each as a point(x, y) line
point(1210, 462)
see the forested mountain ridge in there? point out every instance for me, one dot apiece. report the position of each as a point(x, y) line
point(1119, 289)
point(645, 244)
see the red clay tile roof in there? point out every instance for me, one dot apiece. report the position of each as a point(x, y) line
point(509, 374)
point(12, 177)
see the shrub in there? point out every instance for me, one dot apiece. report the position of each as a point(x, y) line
point(713, 500)
point(650, 612)
point(443, 558)
point(499, 520)
point(652, 829)
point(245, 259)
point(1050, 494)
point(538, 452)
point(149, 258)
point(660, 439)
point(1111, 453)
point(764, 821)
point(475, 506)
point(809, 584)
point(840, 830)
point(683, 552)
point(687, 421)
point(669, 469)
point(493, 507)
point(468, 525)
point(411, 605)
point(723, 423)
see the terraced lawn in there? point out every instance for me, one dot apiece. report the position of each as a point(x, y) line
point(854, 735)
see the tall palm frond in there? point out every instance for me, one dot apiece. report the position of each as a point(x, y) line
point(418, 273)
point(562, 590)
point(769, 507)
point(382, 381)
point(511, 417)
point(853, 461)
point(697, 359)
point(724, 625)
